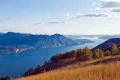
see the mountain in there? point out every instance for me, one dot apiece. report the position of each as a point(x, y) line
point(109, 36)
point(16, 42)
point(107, 44)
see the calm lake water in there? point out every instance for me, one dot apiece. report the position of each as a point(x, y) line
point(16, 64)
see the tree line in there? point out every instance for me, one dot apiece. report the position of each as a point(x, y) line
point(86, 54)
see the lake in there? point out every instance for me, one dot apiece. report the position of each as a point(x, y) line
point(15, 65)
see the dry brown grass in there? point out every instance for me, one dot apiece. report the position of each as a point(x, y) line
point(109, 71)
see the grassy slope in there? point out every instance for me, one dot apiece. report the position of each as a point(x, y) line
point(84, 71)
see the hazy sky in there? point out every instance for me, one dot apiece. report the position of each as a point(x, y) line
point(60, 16)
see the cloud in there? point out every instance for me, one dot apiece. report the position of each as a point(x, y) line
point(51, 22)
point(107, 7)
point(70, 17)
point(55, 22)
point(37, 23)
point(115, 10)
point(96, 15)
point(110, 3)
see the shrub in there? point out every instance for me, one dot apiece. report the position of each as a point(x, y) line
point(84, 54)
point(98, 53)
point(115, 50)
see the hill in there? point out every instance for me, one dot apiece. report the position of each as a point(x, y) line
point(108, 44)
point(102, 69)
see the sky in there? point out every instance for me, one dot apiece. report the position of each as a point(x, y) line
point(60, 16)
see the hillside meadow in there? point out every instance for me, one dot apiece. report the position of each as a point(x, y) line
point(88, 70)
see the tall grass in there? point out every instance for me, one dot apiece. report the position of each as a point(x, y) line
point(94, 72)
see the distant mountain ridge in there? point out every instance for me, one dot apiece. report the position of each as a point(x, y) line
point(14, 39)
point(16, 42)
